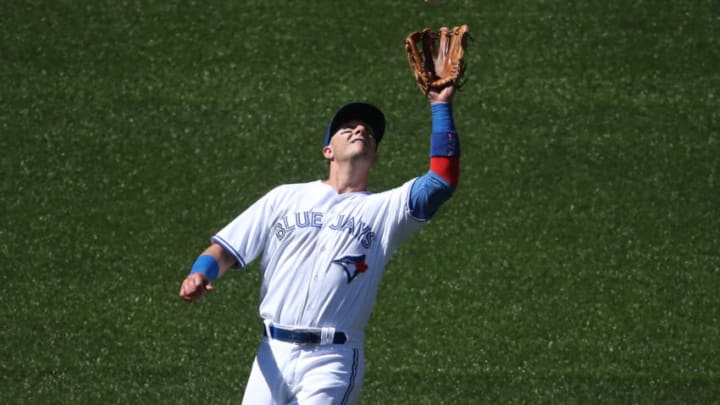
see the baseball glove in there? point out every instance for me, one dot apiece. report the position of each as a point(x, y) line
point(437, 57)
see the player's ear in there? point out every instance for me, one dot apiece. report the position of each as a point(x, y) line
point(328, 153)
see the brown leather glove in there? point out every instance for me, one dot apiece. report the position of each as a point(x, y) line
point(437, 57)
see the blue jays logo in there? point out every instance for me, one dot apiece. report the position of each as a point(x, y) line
point(352, 265)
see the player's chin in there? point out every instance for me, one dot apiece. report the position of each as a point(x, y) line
point(365, 156)
point(363, 149)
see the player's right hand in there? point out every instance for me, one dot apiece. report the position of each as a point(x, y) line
point(194, 287)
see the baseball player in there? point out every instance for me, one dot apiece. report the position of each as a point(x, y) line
point(323, 246)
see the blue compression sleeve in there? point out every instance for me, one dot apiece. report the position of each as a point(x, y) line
point(428, 193)
point(442, 120)
point(443, 139)
point(206, 265)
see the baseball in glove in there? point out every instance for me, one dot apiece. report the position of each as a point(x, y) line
point(437, 57)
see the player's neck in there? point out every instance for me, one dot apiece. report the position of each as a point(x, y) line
point(347, 179)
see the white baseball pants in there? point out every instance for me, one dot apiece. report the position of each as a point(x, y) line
point(305, 374)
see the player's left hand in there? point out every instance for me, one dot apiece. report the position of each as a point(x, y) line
point(444, 95)
point(194, 287)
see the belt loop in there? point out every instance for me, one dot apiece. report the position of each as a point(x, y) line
point(327, 335)
point(267, 323)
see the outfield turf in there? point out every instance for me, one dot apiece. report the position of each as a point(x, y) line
point(579, 261)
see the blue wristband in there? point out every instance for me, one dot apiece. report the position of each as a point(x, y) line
point(206, 265)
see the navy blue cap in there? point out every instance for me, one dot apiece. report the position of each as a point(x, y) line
point(360, 111)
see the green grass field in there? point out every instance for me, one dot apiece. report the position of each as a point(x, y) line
point(579, 261)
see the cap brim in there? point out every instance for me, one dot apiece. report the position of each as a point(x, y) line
point(359, 111)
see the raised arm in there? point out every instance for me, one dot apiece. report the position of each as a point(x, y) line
point(435, 187)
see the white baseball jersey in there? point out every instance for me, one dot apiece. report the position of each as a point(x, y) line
point(323, 253)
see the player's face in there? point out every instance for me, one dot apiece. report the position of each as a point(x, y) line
point(354, 139)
